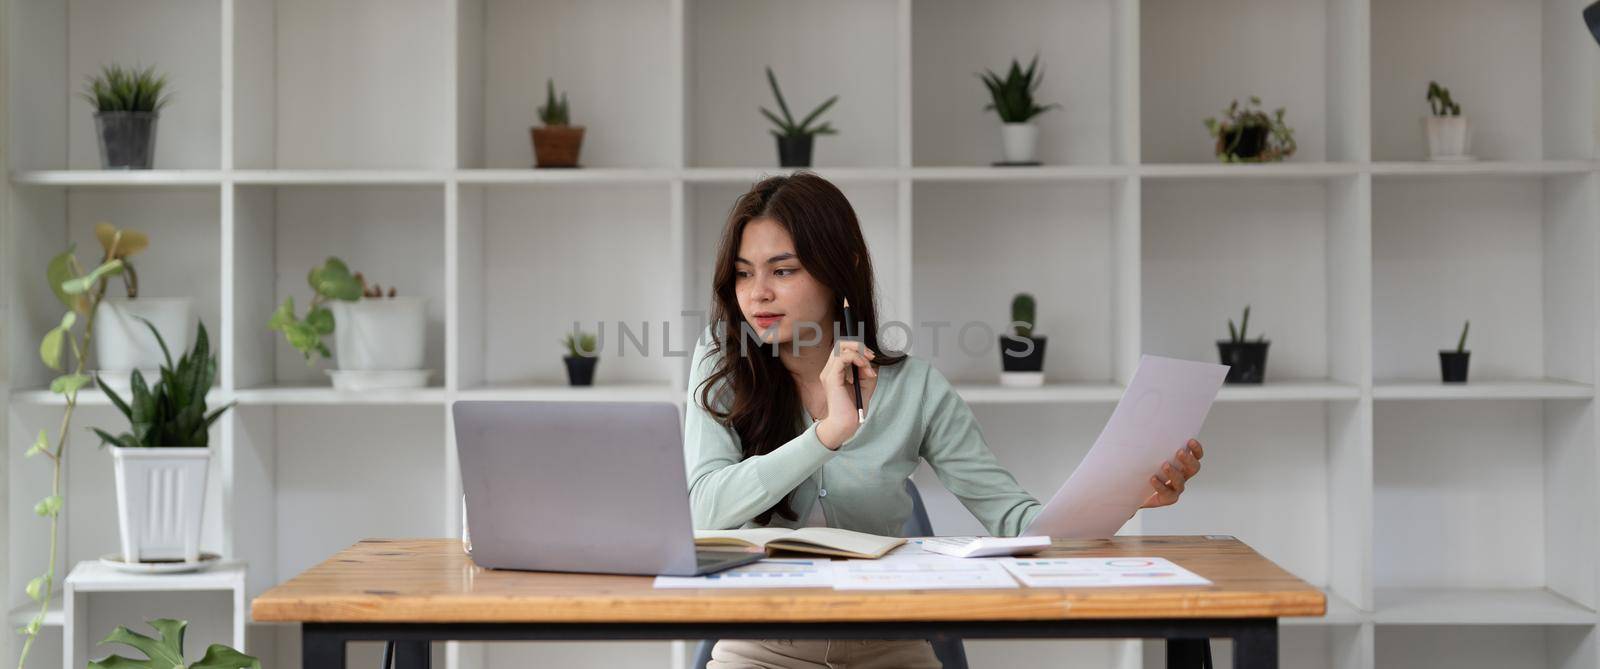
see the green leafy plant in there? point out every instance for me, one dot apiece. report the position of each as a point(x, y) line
point(580, 345)
point(1461, 346)
point(786, 125)
point(1022, 312)
point(1439, 100)
point(1237, 335)
point(331, 281)
point(173, 413)
point(1236, 121)
point(1012, 97)
point(119, 89)
point(167, 653)
point(81, 293)
point(554, 112)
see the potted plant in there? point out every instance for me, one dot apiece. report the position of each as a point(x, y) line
point(795, 139)
point(1453, 364)
point(127, 104)
point(125, 344)
point(1012, 99)
point(1249, 135)
point(556, 144)
point(167, 653)
point(582, 357)
point(1246, 360)
point(1446, 129)
point(161, 463)
point(1021, 352)
point(80, 293)
point(380, 338)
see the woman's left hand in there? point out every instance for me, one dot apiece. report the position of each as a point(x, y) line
point(1169, 483)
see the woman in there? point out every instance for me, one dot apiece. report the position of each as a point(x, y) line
point(771, 434)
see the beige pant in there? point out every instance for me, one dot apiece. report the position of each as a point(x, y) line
point(822, 654)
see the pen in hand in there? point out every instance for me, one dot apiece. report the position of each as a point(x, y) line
point(855, 371)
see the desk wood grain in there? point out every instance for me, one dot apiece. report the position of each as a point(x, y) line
point(432, 580)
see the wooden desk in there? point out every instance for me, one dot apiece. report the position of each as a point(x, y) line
point(415, 591)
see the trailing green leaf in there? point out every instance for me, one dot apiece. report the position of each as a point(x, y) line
point(40, 445)
point(69, 384)
point(48, 506)
point(83, 283)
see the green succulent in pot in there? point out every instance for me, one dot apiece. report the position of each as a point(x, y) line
point(127, 103)
point(172, 413)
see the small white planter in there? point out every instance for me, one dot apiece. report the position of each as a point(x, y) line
point(161, 495)
point(380, 343)
point(1449, 137)
point(122, 343)
point(1019, 142)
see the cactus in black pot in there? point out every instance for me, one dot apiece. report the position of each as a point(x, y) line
point(1021, 351)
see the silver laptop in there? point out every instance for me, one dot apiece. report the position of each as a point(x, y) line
point(595, 487)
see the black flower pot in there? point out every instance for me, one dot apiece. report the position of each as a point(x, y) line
point(1453, 366)
point(1246, 361)
point(1011, 358)
point(127, 139)
point(794, 150)
point(580, 370)
point(1252, 140)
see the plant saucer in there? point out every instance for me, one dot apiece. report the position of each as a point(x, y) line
point(387, 379)
point(1453, 159)
point(115, 561)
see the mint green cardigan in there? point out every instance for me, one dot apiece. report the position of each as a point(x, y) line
point(914, 414)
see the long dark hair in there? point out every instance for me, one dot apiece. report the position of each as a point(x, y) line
point(828, 242)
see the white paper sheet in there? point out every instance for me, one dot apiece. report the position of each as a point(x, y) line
point(1164, 406)
point(920, 572)
point(1099, 572)
point(768, 573)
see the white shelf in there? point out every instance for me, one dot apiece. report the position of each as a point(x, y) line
point(92, 576)
point(117, 177)
point(1022, 173)
point(631, 392)
point(1285, 170)
point(1449, 606)
point(1483, 168)
point(587, 175)
point(340, 177)
point(1482, 390)
point(748, 175)
point(311, 395)
point(1067, 393)
point(1288, 391)
point(88, 397)
point(23, 614)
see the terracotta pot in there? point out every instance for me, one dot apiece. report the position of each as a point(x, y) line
point(557, 145)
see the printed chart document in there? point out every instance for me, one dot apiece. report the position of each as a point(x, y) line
point(1100, 572)
point(1164, 406)
point(920, 572)
point(768, 573)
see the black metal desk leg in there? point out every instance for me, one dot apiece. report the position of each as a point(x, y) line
point(320, 649)
point(1187, 653)
point(1255, 646)
point(411, 655)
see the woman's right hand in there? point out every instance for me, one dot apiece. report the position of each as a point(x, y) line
point(841, 422)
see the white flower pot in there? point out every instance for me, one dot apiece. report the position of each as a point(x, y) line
point(1449, 137)
point(161, 495)
point(1019, 142)
point(122, 343)
point(380, 334)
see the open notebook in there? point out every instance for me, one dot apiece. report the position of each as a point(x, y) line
point(819, 540)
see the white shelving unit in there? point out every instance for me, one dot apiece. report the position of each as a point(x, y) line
point(94, 578)
point(393, 133)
